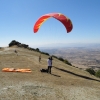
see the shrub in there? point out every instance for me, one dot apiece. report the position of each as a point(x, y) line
point(97, 74)
point(37, 49)
point(31, 48)
point(61, 59)
point(67, 62)
point(55, 56)
point(45, 53)
point(91, 71)
point(13, 42)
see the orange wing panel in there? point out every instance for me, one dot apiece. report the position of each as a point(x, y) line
point(62, 18)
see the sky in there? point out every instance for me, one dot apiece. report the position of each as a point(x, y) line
point(17, 18)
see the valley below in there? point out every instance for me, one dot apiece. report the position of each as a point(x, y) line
point(81, 57)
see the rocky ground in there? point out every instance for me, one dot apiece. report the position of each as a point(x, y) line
point(65, 82)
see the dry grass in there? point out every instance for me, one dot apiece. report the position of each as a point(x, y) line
point(65, 82)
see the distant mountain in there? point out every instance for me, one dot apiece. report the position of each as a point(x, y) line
point(63, 45)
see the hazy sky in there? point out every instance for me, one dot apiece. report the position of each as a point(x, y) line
point(17, 18)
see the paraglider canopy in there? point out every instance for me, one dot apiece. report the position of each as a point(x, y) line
point(62, 18)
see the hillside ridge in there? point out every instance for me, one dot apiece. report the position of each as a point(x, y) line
point(65, 82)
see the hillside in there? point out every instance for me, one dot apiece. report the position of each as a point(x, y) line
point(65, 82)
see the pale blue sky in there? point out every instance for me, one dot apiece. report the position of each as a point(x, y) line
point(17, 18)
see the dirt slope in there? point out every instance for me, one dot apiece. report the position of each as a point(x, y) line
point(65, 82)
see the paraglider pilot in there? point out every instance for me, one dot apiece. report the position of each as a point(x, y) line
point(49, 61)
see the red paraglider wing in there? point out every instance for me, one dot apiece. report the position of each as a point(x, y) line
point(63, 19)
